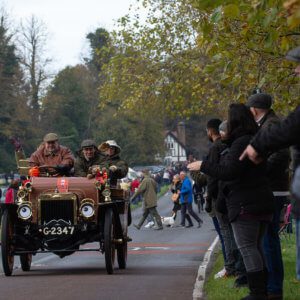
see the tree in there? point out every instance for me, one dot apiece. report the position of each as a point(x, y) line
point(101, 50)
point(32, 43)
point(66, 106)
point(248, 42)
point(14, 114)
point(197, 56)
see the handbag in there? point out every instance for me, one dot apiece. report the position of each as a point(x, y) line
point(175, 197)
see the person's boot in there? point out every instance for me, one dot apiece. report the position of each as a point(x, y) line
point(200, 223)
point(241, 281)
point(137, 226)
point(257, 286)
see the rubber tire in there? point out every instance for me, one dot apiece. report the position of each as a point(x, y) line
point(109, 246)
point(25, 260)
point(122, 255)
point(6, 238)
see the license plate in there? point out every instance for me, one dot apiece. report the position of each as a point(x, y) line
point(58, 230)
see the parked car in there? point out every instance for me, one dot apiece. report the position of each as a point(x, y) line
point(59, 214)
point(132, 174)
point(3, 193)
point(153, 169)
point(3, 179)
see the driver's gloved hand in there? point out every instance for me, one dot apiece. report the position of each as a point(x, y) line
point(62, 168)
point(113, 168)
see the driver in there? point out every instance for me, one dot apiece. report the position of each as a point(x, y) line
point(50, 153)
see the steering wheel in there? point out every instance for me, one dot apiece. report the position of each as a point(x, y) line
point(49, 171)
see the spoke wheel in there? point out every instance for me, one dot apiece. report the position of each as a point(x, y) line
point(6, 243)
point(109, 246)
point(122, 255)
point(26, 260)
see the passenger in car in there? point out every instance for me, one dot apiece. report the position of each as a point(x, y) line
point(111, 161)
point(88, 156)
point(51, 153)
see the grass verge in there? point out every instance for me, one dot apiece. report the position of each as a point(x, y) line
point(219, 289)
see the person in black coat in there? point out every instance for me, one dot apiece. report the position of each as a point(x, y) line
point(249, 198)
point(278, 175)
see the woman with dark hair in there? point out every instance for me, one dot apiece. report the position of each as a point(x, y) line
point(248, 197)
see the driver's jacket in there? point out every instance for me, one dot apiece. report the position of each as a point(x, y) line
point(63, 156)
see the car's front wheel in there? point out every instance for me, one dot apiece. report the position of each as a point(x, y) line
point(122, 255)
point(109, 245)
point(7, 229)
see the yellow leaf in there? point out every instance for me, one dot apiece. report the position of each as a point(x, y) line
point(231, 11)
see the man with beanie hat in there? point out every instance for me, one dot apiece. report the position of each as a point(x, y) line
point(279, 136)
point(278, 174)
point(88, 156)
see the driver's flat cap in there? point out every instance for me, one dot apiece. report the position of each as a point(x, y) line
point(50, 137)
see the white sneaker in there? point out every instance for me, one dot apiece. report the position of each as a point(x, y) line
point(220, 274)
point(149, 225)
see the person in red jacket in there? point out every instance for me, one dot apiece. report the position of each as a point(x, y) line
point(11, 193)
point(134, 186)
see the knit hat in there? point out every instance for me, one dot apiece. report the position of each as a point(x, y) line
point(223, 126)
point(260, 100)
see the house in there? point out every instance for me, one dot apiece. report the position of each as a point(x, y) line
point(175, 144)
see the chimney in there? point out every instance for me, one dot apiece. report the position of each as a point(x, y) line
point(181, 132)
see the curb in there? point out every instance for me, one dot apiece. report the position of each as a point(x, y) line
point(198, 293)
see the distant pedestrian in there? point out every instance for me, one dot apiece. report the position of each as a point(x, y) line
point(147, 189)
point(11, 193)
point(175, 189)
point(133, 188)
point(186, 201)
point(166, 177)
point(158, 180)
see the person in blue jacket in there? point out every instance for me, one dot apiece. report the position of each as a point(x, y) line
point(186, 201)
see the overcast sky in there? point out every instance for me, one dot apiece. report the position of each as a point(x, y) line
point(68, 22)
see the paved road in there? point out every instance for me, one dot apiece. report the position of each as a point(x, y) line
point(161, 265)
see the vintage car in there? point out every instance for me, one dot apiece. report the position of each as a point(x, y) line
point(59, 214)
